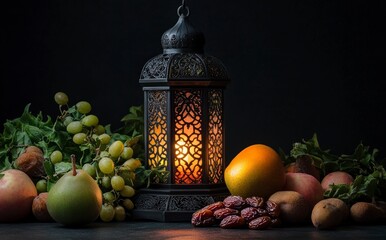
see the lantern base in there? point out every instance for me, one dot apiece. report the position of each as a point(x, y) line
point(175, 203)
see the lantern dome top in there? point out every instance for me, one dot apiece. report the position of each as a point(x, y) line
point(183, 62)
point(183, 37)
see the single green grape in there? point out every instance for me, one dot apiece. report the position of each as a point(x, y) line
point(106, 182)
point(106, 165)
point(79, 138)
point(128, 204)
point(90, 169)
point(56, 156)
point(61, 98)
point(41, 185)
point(127, 153)
point(107, 213)
point(132, 164)
point(104, 138)
point(117, 183)
point(116, 149)
point(90, 120)
point(74, 127)
point(109, 197)
point(120, 214)
point(99, 130)
point(127, 191)
point(83, 107)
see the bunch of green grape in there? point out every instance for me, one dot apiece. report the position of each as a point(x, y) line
point(107, 157)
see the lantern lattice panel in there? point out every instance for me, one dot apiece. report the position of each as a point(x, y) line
point(215, 142)
point(157, 127)
point(156, 67)
point(187, 66)
point(188, 136)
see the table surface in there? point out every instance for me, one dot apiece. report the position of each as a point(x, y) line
point(181, 231)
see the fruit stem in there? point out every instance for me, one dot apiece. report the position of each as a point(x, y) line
point(73, 161)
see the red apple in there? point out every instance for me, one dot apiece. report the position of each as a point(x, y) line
point(306, 185)
point(17, 191)
point(337, 177)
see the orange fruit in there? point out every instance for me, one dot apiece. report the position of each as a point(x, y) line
point(256, 171)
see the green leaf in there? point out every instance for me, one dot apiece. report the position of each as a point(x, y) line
point(133, 121)
point(22, 138)
point(63, 167)
point(61, 138)
point(135, 114)
point(4, 160)
point(33, 132)
point(9, 131)
point(49, 168)
point(7, 164)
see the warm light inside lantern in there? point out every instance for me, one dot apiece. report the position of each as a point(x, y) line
point(188, 157)
point(188, 137)
point(196, 149)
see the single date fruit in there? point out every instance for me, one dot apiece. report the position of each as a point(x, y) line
point(232, 221)
point(250, 213)
point(235, 202)
point(256, 202)
point(272, 208)
point(203, 218)
point(222, 213)
point(260, 223)
point(214, 206)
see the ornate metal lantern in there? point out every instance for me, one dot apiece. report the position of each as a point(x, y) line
point(184, 125)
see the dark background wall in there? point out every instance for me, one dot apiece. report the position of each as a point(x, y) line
point(297, 67)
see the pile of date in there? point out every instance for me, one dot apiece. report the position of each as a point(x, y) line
point(237, 212)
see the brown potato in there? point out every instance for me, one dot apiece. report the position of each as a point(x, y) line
point(366, 213)
point(329, 213)
point(294, 209)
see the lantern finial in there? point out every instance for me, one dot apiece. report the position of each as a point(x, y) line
point(183, 37)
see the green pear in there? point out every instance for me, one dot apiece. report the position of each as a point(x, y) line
point(75, 199)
